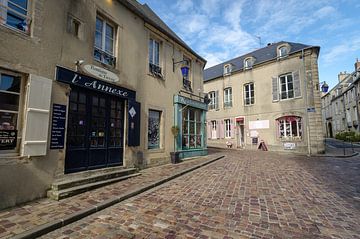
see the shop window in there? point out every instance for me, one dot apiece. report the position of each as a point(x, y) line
point(154, 129)
point(290, 127)
point(154, 58)
point(14, 13)
point(104, 42)
point(249, 95)
point(191, 129)
point(227, 97)
point(9, 101)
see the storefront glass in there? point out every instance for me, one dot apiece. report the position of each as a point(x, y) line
point(191, 133)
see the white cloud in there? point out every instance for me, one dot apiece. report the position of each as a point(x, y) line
point(184, 6)
point(341, 51)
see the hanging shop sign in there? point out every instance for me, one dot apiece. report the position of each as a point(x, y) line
point(58, 126)
point(8, 139)
point(75, 78)
point(101, 73)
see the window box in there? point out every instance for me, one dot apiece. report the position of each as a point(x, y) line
point(104, 57)
point(187, 84)
point(155, 70)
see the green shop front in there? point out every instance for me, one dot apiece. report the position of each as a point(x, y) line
point(190, 117)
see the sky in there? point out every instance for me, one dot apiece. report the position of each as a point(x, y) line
point(220, 30)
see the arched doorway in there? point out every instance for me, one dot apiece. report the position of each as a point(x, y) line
point(330, 130)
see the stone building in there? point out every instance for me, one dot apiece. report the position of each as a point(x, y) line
point(270, 95)
point(88, 85)
point(340, 106)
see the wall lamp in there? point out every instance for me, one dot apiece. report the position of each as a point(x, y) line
point(184, 69)
point(324, 86)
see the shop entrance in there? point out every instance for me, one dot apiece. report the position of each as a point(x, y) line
point(95, 131)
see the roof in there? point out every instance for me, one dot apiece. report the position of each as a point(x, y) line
point(149, 16)
point(261, 55)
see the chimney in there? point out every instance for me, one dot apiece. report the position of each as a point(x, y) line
point(357, 65)
point(343, 75)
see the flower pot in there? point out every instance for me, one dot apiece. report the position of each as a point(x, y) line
point(175, 157)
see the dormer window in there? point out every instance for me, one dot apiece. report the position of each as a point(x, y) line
point(227, 69)
point(283, 51)
point(248, 63)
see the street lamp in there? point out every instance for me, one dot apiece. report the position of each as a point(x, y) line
point(324, 86)
point(185, 73)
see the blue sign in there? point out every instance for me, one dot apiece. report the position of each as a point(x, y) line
point(58, 126)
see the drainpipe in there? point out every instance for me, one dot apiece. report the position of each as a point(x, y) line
point(306, 105)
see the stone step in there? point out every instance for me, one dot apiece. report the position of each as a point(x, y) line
point(68, 192)
point(86, 178)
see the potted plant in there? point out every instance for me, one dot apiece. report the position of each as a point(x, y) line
point(175, 155)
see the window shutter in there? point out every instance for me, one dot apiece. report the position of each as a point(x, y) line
point(134, 110)
point(37, 116)
point(217, 100)
point(297, 88)
point(209, 129)
point(222, 129)
point(233, 128)
point(275, 90)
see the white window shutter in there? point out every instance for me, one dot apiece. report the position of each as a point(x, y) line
point(275, 89)
point(37, 116)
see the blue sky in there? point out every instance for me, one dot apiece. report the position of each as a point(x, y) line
point(220, 30)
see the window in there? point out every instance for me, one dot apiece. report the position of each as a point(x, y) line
point(14, 13)
point(9, 103)
point(187, 80)
point(213, 100)
point(227, 128)
point(154, 129)
point(248, 63)
point(74, 26)
point(154, 57)
point(249, 96)
point(104, 42)
point(227, 97)
point(227, 69)
point(286, 87)
point(191, 133)
point(283, 51)
point(290, 127)
point(213, 129)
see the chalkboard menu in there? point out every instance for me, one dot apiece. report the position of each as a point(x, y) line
point(58, 126)
point(8, 139)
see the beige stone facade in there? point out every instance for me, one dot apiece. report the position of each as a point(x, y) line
point(275, 98)
point(340, 106)
point(52, 35)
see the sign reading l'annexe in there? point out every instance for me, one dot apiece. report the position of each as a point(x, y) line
point(75, 78)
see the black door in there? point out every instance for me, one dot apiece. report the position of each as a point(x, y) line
point(95, 131)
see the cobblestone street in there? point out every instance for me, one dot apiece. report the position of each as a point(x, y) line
point(247, 194)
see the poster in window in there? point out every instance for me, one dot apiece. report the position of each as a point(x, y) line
point(8, 139)
point(154, 129)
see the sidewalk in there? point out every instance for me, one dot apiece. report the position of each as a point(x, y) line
point(44, 215)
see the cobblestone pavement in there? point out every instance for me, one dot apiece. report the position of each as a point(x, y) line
point(16, 220)
point(245, 195)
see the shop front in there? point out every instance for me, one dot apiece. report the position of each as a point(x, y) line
point(96, 122)
point(190, 117)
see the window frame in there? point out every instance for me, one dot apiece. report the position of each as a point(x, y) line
point(228, 97)
point(287, 123)
point(212, 103)
point(227, 69)
point(227, 125)
point(248, 63)
point(281, 53)
point(197, 131)
point(26, 19)
point(251, 93)
point(102, 50)
point(286, 86)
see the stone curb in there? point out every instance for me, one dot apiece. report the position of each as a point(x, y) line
point(56, 224)
point(336, 156)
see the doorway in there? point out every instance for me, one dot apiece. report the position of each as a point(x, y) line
point(240, 134)
point(330, 130)
point(95, 131)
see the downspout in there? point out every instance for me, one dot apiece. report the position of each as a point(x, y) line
point(306, 105)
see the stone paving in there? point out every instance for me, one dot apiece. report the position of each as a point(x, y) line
point(16, 220)
point(244, 195)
